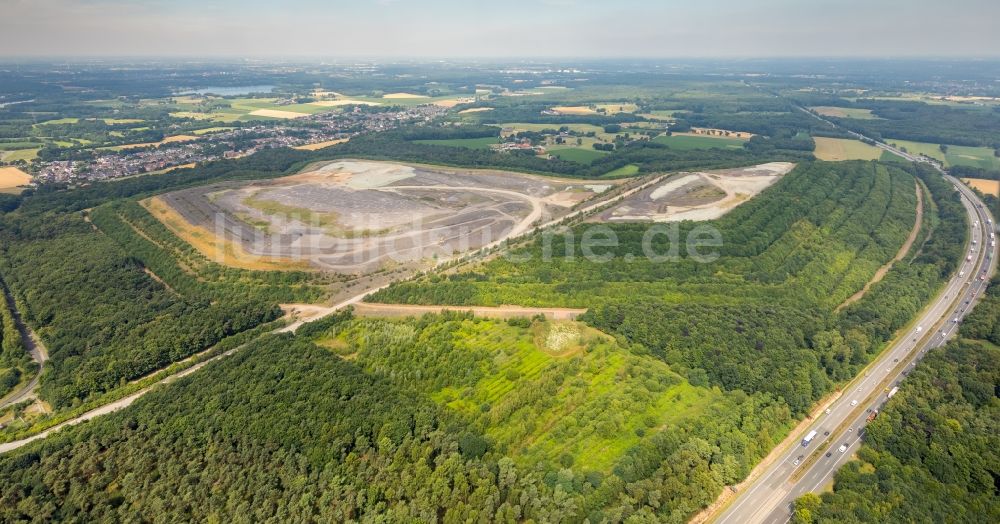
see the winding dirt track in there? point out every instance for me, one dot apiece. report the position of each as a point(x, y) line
point(880, 274)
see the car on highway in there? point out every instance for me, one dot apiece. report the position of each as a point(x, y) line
point(829, 454)
point(843, 448)
point(797, 461)
point(854, 402)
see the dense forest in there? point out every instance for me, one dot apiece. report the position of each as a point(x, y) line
point(932, 454)
point(287, 429)
point(15, 363)
point(764, 317)
point(105, 320)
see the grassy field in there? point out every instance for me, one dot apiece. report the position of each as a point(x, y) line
point(845, 112)
point(629, 170)
point(987, 187)
point(20, 154)
point(552, 391)
point(469, 143)
point(982, 157)
point(576, 154)
point(688, 142)
point(837, 149)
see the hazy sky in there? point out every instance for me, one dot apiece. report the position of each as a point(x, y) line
point(511, 28)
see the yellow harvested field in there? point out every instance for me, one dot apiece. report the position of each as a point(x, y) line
point(475, 110)
point(343, 102)
point(618, 107)
point(836, 149)
point(218, 250)
point(12, 177)
point(275, 113)
point(403, 95)
point(168, 140)
point(321, 145)
point(574, 110)
point(987, 187)
point(452, 102)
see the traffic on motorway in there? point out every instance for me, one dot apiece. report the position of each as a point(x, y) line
point(835, 434)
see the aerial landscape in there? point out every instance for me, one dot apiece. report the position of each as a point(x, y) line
point(435, 262)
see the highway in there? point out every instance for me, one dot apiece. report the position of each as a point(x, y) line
point(809, 468)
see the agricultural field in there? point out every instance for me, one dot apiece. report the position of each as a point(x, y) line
point(987, 187)
point(844, 112)
point(471, 143)
point(687, 142)
point(980, 157)
point(696, 196)
point(167, 140)
point(11, 178)
point(357, 217)
point(576, 154)
point(840, 149)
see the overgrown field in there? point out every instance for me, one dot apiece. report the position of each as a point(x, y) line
point(761, 317)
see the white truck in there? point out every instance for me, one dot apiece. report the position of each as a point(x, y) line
point(892, 392)
point(809, 437)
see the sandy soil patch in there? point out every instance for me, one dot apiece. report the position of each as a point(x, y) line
point(369, 309)
point(321, 145)
point(12, 177)
point(987, 187)
point(475, 110)
point(403, 95)
point(696, 196)
point(277, 113)
point(216, 249)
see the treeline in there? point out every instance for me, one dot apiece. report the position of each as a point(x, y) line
point(283, 430)
point(192, 274)
point(934, 123)
point(105, 321)
point(762, 317)
point(932, 453)
point(14, 359)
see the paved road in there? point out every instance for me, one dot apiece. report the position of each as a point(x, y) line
point(801, 469)
point(35, 348)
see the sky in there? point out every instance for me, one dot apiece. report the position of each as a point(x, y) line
point(500, 28)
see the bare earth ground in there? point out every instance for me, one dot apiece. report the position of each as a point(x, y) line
point(697, 196)
point(368, 309)
point(357, 217)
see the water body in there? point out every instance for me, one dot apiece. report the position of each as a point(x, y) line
point(229, 91)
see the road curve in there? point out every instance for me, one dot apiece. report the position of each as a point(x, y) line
point(32, 344)
point(801, 469)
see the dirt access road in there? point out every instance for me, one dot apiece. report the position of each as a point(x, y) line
point(313, 313)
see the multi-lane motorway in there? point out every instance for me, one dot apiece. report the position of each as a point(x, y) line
point(810, 467)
